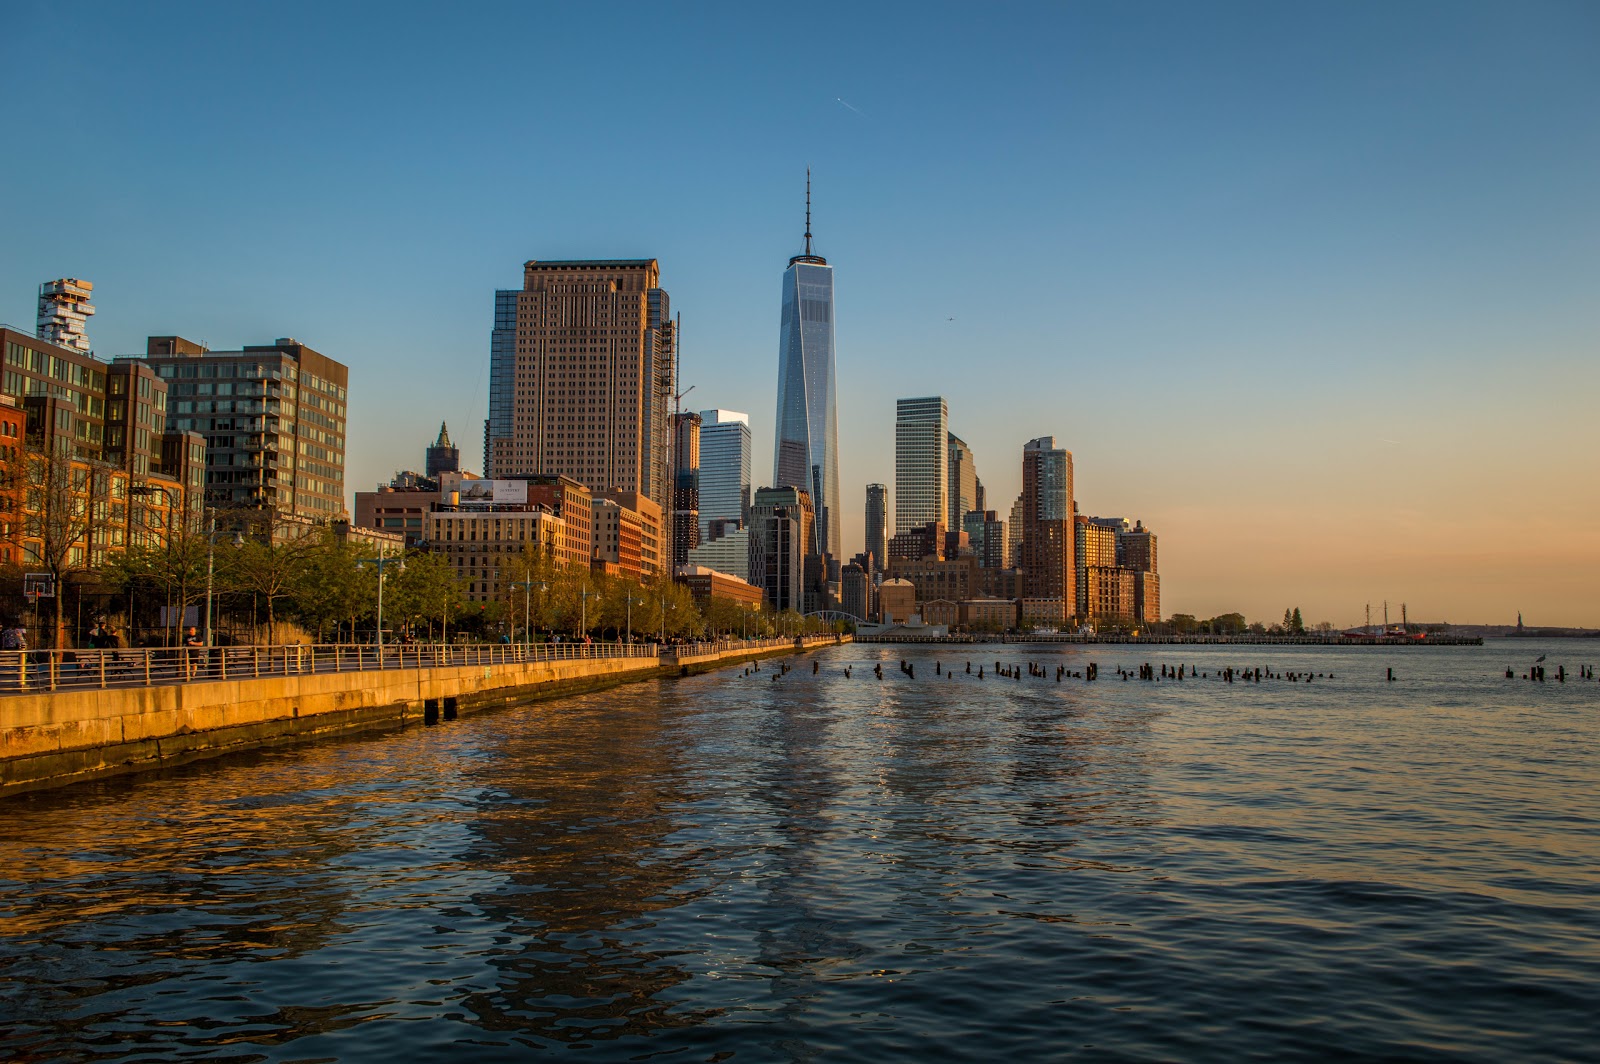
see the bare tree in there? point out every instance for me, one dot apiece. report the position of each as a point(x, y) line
point(65, 501)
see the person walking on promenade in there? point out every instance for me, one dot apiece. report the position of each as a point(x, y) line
point(15, 637)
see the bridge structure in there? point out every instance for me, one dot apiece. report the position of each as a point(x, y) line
point(836, 615)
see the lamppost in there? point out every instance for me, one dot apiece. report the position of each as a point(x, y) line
point(380, 562)
point(631, 600)
point(211, 566)
point(583, 611)
point(663, 634)
point(151, 489)
point(527, 617)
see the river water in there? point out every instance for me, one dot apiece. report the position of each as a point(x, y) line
point(823, 868)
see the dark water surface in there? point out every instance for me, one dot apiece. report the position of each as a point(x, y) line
point(723, 868)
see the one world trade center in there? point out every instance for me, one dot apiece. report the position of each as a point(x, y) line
point(806, 444)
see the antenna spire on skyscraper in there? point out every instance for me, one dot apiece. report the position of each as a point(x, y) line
point(808, 210)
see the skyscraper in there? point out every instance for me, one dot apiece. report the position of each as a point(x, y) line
point(806, 437)
point(724, 468)
point(581, 367)
point(963, 489)
point(442, 456)
point(782, 536)
point(685, 487)
point(921, 463)
point(1048, 534)
point(878, 525)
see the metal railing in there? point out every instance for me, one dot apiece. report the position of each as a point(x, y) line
point(29, 671)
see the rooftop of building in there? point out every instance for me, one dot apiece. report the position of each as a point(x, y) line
point(588, 264)
point(18, 333)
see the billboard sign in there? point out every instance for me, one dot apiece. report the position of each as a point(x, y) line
point(494, 491)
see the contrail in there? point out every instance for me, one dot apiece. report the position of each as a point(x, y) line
point(852, 106)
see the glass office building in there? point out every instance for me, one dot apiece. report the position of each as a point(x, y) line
point(806, 439)
point(724, 468)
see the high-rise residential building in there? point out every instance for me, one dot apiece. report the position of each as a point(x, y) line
point(962, 494)
point(1095, 548)
point(581, 367)
point(64, 311)
point(782, 537)
point(921, 462)
point(923, 541)
point(1146, 596)
point(1136, 549)
point(1048, 535)
point(987, 535)
point(855, 592)
point(442, 456)
point(273, 418)
point(1014, 533)
point(724, 468)
point(1108, 595)
point(806, 436)
point(878, 525)
point(685, 486)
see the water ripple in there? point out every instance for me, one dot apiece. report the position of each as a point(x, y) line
point(722, 868)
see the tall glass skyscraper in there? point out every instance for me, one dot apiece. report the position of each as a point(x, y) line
point(921, 462)
point(806, 441)
point(724, 468)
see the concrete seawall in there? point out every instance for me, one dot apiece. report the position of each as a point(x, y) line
point(50, 739)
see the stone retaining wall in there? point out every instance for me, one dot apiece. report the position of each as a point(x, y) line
point(54, 738)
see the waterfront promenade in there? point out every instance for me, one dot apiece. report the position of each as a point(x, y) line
point(67, 716)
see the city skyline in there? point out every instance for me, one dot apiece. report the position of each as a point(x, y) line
point(1360, 306)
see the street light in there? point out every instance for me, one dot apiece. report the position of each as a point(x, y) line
point(631, 600)
point(380, 562)
point(211, 566)
point(583, 611)
point(527, 617)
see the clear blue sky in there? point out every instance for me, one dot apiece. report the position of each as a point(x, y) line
point(1313, 290)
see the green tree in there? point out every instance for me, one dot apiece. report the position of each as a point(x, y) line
point(331, 589)
point(1227, 624)
point(1296, 623)
point(424, 591)
point(533, 606)
point(172, 574)
point(272, 561)
point(725, 617)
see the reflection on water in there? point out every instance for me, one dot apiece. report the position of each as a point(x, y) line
point(569, 822)
point(731, 868)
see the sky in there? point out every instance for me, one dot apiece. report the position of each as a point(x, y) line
point(1312, 290)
